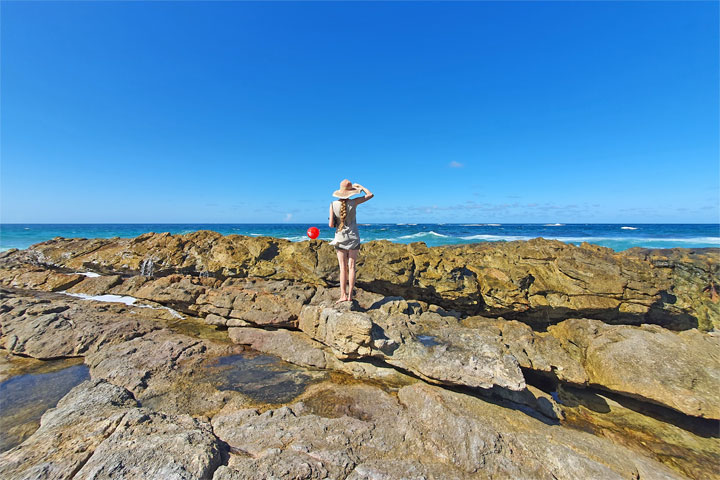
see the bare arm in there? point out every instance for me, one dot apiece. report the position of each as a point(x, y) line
point(331, 222)
point(368, 194)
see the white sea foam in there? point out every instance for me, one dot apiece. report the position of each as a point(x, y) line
point(494, 224)
point(497, 238)
point(628, 228)
point(424, 234)
point(105, 298)
point(554, 225)
point(298, 238)
point(256, 234)
point(639, 240)
point(87, 274)
point(127, 300)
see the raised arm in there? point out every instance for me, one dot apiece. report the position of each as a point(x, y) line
point(331, 218)
point(368, 194)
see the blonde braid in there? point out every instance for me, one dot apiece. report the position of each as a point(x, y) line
point(343, 213)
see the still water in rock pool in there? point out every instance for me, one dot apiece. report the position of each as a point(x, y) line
point(263, 378)
point(25, 398)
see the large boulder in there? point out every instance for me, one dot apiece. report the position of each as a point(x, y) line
point(451, 354)
point(677, 370)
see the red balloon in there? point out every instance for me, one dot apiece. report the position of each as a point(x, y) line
point(313, 232)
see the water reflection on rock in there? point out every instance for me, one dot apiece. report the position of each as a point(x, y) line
point(263, 378)
point(24, 398)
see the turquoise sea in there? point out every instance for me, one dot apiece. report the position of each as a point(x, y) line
point(616, 236)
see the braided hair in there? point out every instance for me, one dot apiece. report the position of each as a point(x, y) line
point(343, 213)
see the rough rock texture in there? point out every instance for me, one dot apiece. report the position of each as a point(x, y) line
point(536, 351)
point(395, 425)
point(96, 285)
point(538, 280)
point(154, 445)
point(254, 301)
point(453, 356)
point(678, 370)
point(96, 431)
point(69, 433)
point(175, 291)
point(689, 445)
point(62, 327)
point(343, 431)
point(293, 347)
point(478, 437)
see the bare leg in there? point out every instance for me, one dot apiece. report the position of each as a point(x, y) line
point(342, 256)
point(352, 257)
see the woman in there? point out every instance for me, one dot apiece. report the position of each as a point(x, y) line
point(347, 237)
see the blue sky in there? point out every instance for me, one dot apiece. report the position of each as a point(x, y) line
point(449, 112)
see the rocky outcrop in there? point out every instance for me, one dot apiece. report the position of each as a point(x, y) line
point(97, 431)
point(538, 281)
point(241, 302)
point(68, 434)
point(413, 331)
point(293, 347)
point(689, 445)
point(54, 327)
point(435, 433)
point(677, 370)
point(448, 356)
point(154, 445)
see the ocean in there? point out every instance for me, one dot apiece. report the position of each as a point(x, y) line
point(616, 236)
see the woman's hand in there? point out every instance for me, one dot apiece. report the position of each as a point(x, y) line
point(358, 186)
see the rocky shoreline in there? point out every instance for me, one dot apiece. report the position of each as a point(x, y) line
point(531, 359)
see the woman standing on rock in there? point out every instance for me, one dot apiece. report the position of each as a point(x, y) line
point(347, 237)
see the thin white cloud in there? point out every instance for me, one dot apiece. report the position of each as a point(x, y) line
point(288, 216)
point(455, 164)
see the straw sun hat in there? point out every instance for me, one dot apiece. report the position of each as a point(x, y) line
point(346, 190)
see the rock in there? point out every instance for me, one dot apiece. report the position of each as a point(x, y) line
point(154, 357)
point(346, 333)
point(175, 291)
point(479, 438)
point(541, 281)
point(69, 433)
point(677, 370)
point(96, 285)
point(540, 352)
point(255, 301)
point(295, 442)
point(129, 285)
point(293, 347)
point(452, 355)
point(362, 432)
point(686, 444)
point(64, 327)
point(154, 445)
point(39, 279)
point(97, 431)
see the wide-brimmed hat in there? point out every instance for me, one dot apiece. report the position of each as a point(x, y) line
point(346, 190)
